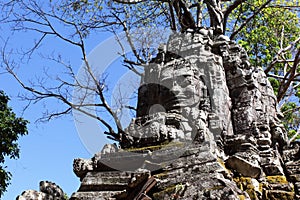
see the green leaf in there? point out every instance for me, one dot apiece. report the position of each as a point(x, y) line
point(11, 127)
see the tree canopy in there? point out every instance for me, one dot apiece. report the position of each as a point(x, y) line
point(268, 29)
point(11, 128)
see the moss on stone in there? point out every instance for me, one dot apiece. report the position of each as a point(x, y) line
point(167, 191)
point(221, 162)
point(277, 179)
point(242, 197)
point(161, 175)
point(156, 147)
point(246, 184)
point(171, 189)
point(251, 192)
point(218, 187)
point(278, 195)
point(242, 182)
point(261, 186)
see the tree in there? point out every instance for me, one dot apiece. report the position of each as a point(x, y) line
point(11, 128)
point(272, 44)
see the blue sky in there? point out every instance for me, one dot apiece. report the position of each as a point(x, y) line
point(47, 152)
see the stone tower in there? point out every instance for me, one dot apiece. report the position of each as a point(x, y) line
point(207, 127)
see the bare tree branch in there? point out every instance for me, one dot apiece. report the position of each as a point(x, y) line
point(123, 23)
point(173, 21)
point(229, 10)
point(280, 52)
point(294, 136)
point(289, 77)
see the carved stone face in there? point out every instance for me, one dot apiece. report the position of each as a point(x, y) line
point(179, 88)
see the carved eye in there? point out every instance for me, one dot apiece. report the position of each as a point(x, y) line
point(185, 81)
point(167, 83)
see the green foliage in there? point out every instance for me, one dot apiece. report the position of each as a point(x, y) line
point(275, 84)
point(292, 133)
point(265, 37)
point(65, 196)
point(11, 127)
point(272, 28)
point(291, 116)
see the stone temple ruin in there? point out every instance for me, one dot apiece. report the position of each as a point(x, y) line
point(207, 127)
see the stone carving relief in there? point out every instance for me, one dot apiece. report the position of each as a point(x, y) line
point(178, 109)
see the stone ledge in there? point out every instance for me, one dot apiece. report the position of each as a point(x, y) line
point(104, 195)
point(112, 181)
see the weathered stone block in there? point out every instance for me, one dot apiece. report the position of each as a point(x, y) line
point(278, 195)
point(277, 179)
point(244, 167)
point(103, 195)
point(35, 195)
point(295, 177)
point(111, 181)
point(123, 161)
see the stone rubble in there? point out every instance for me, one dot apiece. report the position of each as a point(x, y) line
point(48, 191)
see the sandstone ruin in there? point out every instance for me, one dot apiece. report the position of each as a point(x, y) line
point(207, 127)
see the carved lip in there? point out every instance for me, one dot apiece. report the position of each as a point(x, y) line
point(175, 104)
point(177, 99)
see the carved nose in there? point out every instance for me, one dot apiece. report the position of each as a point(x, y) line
point(176, 89)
